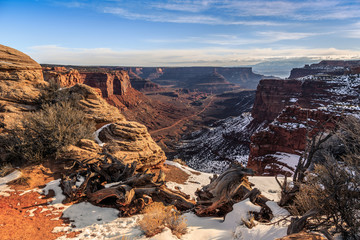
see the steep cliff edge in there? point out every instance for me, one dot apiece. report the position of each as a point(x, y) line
point(331, 67)
point(184, 76)
point(290, 108)
point(22, 86)
point(21, 80)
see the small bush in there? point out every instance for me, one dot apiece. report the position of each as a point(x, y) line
point(333, 187)
point(47, 131)
point(157, 217)
point(48, 93)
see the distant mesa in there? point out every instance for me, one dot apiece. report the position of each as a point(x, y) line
point(331, 67)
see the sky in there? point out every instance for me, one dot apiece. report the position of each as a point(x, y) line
point(181, 33)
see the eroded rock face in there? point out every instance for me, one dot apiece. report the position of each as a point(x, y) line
point(331, 67)
point(291, 107)
point(131, 140)
point(91, 103)
point(277, 148)
point(62, 76)
point(20, 77)
point(20, 82)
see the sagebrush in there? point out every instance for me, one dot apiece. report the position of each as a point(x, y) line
point(44, 133)
point(157, 217)
point(333, 187)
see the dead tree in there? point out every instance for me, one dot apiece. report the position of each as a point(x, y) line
point(232, 186)
point(109, 182)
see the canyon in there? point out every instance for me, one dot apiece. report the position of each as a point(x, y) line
point(190, 117)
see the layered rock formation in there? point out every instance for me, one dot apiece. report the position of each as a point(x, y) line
point(184, 77)
point(132, 142)
point(22, 85)
point(331, 67)
point(21, 81)
point(141, 84)
point(91, 103)
point(292, 107)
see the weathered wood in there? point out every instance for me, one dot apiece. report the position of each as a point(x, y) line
point(297, 224)
point(130, 192)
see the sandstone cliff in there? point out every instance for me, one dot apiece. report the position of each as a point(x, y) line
point(289, 108)
point(331, 67)
point(183, 76)
point(22, 85)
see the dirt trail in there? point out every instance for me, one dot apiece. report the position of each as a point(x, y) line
point(185, 118)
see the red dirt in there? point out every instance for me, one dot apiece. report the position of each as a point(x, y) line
point(15, 222)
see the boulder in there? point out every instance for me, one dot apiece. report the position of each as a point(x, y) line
point(131, 140)
point(127, 141)
point(20, 77)
point(91, 103)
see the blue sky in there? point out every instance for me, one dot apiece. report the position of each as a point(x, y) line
point(181, 33)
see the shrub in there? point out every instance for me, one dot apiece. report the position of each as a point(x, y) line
point(48, 93)
point(333, 188)
point(157, 217)
point(46, 132)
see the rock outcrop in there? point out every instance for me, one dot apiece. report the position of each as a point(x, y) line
point(62, 76)
point(21, 80)
point(131, 141)
point(289, 108)
point(22, 85)
point(330, 67)
point(184, 76)
point(125, 140)
point(20, 77)
point(91, 103)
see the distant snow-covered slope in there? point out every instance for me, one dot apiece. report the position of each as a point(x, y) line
point(213, 149)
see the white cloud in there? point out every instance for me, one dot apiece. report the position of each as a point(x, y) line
point(172, 57)
point(183, 18)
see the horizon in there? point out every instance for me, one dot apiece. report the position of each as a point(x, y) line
point(173, 33)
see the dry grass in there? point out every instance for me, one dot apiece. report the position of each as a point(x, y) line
point(157, 217)
point(47, 131)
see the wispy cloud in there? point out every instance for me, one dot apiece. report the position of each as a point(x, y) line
point(184, 18)
point(174, 57)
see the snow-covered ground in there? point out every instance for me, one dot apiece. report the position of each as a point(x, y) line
point(4, 188)
point(103, 223)
point(213, 149)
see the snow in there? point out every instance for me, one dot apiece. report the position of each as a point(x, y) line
point(293, 100)
point(4, 188)
point(85, 214)
point(194, 181)
point(59, 196)
point(268, 186)
point(221, 141)
point(240, 213)
point(96, 135)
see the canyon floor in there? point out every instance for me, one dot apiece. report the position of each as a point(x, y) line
point(35, 211)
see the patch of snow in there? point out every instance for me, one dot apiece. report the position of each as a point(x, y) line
point(293, 100)
point(4, 188)
point(276, 210)
point(194, 181)
point(260, 232)
point(268, 186)
point(85, 214)
point(96, 135)
point(239, 213)
point(59, 196)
